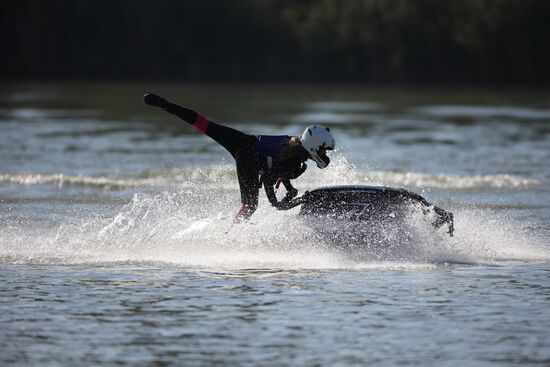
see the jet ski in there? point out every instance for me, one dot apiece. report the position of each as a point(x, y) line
point(370, 204)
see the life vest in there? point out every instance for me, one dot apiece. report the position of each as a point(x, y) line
point(267, 148)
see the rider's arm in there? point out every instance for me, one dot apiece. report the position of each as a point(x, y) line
point(291, 192)
point(268, 184)
point(286, 202)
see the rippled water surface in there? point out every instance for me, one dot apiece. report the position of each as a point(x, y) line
point(117, 245)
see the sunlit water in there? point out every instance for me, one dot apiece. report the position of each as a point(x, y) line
point(117, 245)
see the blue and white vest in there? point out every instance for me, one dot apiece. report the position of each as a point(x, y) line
point(267, 148)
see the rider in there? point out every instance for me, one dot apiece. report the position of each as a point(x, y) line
point(260, 159)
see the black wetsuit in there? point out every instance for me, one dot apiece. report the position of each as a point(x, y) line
point(255, 156)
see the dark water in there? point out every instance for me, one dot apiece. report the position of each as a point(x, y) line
point(117, 245)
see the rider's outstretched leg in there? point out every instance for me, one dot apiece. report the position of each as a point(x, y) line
point(231, 139)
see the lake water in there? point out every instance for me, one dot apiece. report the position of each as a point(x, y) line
point(117, 245)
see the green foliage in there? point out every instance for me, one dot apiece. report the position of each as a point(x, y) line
point(396, 41)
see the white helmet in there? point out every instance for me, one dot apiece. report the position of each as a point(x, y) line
point(314, 139)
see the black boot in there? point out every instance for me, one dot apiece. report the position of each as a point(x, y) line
point(154, 100)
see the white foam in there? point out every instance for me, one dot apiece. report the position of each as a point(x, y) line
point(327, 117)
point(181, 178)
point(193, 227)
point(171, 230)
point(61, 180)
point(345, 106)
point(341, 172)
point(450, 181)
point(484, 111)
point(29, 113)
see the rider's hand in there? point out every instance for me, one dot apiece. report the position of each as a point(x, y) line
point(291, 194)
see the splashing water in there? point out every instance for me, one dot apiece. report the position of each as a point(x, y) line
point(138, 211)
point(194, 228)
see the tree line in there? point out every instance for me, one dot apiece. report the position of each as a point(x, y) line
point(374, 41)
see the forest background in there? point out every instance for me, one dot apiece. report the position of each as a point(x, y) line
point(366, 41)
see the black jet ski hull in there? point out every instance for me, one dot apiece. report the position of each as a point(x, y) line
point(368, 203)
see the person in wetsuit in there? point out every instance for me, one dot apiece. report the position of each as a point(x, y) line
point(267, 160)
